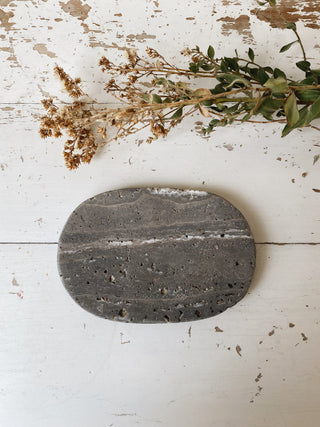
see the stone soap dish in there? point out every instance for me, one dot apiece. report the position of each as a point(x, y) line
point(152, 255)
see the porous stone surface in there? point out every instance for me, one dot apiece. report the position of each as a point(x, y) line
point(155, 255)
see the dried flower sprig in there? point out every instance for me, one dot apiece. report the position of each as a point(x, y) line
point(243, 90)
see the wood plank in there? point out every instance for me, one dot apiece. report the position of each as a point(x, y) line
point(240, 163)
point(37, 34)
point(59, 365)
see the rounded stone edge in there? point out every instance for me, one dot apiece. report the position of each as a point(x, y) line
point(160, 191)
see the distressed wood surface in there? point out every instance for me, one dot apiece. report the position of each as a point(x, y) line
point(61, 365)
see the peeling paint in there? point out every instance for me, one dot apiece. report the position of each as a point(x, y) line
point(5, 2)
point(140, 37)
point(240, 24)
point(42, 49)
point(305, 11)
point(4, 19)
point(230, 2)
point(12, 56)
point(43, 92)
point(76, 8)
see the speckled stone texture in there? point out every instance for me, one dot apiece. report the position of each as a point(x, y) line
point(156, 255)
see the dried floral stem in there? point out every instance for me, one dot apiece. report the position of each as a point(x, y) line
point(242, 90)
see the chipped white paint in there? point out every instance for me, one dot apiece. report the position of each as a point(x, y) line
point(60, 366)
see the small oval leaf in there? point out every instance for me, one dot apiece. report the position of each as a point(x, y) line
point(291, 109)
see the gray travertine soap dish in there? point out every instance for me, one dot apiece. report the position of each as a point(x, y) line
point(153, 255)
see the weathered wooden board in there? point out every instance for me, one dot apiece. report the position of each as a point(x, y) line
point(61, 366)
point(57, 361)
point(251, 166)
point(36, 34)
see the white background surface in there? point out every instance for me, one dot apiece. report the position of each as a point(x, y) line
point(59, 365)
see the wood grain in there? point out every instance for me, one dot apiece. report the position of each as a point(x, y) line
point(58, 360)
point(60, 366)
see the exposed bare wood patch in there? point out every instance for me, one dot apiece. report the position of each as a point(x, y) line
point(76, 8)
point(42, 49)
point(240, 24)
point(230, 2)
point(12, 57)
point(140, 37)
point(305, 11)
point(5, 2)
point(4, 19)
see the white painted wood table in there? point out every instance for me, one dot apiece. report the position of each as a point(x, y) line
point(61, 366)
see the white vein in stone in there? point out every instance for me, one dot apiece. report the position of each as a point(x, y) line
point(105, 244)
point(177, 193)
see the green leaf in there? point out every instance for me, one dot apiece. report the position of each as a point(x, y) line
point(219, 88)
point(232, 109)
point(194, 67)
point(207, 103)
point(246, 117)
point(309, 95)
point(146, 97)
point(176, 115)
point(278, 85)
point(262, 76)
point(251, 54)
point(314, 111)
point(291, 109)
point(207, 67)
point(278, 73)
point(160, 81)
point(300, 123)
point(272, 2)
point(231, 63)
point(268, 107)
point(210, 52)
point(292, 26)
point(156, 99)
point(303, 65)
point(316, 158)
point(233, 79)
point(214, 122)
point(253, 72)
point(268, 70)
point(223, 66)
point(287, 46)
